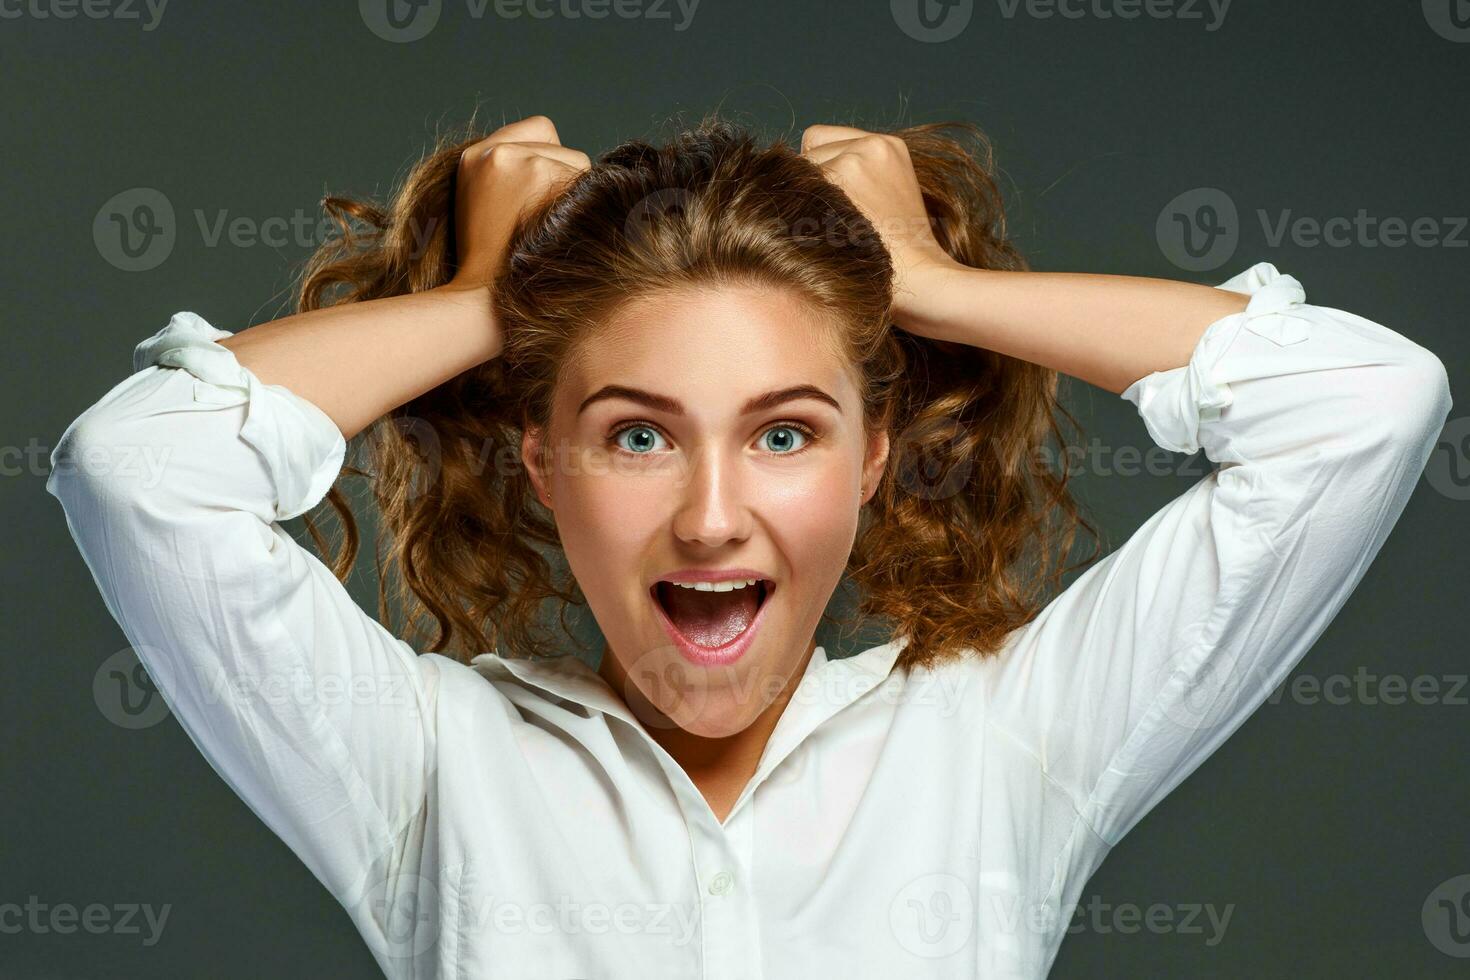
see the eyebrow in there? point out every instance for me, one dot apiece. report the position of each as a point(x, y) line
point(672, 406)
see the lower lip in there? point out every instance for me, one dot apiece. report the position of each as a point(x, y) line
point(713, 656)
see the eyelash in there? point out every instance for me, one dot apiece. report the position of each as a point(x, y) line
point(802, 427)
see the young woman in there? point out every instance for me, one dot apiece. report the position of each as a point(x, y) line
point(702, 372)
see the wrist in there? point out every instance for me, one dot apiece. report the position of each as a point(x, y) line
point(934, 297)
point(469, 302)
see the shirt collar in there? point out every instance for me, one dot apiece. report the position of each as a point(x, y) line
point(827, 686)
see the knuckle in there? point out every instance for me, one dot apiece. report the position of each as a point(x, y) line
point(504, 154)
point(544, 126)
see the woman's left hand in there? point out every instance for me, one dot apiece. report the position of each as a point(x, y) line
point(874, 170)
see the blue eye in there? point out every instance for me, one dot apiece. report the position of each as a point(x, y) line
point(783, 446)
point(642, 442)
point(785, 439)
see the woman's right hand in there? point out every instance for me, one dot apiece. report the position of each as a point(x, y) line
point(500, 179)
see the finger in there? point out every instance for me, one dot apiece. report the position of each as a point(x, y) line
point(532, 129)
point(562, 154)
point(564, 168)
point(820, 134)
point(827, 152)
point(573, 158)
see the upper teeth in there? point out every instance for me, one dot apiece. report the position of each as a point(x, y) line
point(716, 586)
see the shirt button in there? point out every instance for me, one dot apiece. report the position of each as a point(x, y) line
point(721, 883)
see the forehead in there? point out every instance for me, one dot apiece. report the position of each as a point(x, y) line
point(712, 345)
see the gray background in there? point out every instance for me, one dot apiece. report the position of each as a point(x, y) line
point(1322, 827)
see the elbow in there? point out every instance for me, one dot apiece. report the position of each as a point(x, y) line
point(1394, 408)
point(79, 471)
point(1414, 400)
point(104, 463)
point(133, 446)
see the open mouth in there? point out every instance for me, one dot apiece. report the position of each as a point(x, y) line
point(712, 623)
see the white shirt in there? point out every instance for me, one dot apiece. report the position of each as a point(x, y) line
point(513, 819)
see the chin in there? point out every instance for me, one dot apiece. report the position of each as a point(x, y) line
point(718, 719)
point(665, 691)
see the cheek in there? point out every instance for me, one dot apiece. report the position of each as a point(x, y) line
point(607, 519)
point(814, 519)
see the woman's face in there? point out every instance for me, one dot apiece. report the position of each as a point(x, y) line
point(700, 432)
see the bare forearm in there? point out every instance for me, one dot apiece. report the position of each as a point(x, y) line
point(1107, 330)
point(359, 361)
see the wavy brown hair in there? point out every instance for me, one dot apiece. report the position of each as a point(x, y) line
point(965, 535)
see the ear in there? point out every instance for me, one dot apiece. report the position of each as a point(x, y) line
point(873, 464)
point(532, 459)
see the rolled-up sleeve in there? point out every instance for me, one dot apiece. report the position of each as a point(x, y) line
point(1320, 422)
point(173, 485)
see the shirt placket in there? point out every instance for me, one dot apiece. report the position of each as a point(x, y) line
point(727, 897)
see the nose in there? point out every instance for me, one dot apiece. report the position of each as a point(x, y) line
point(712, 509)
